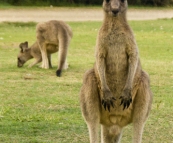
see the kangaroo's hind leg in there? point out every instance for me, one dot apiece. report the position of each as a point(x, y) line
point(90, 104)
point(42, 46)
point(142, 107)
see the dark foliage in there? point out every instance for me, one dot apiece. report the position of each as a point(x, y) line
point(82, 2)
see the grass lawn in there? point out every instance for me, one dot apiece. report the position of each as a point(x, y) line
point(38, 107)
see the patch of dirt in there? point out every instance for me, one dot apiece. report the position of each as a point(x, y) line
point(76, 14)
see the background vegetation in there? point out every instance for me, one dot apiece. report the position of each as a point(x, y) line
point(38, 107)
point(83, 2)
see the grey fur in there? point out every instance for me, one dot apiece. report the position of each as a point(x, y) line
point(52, 36)
point(116, 92)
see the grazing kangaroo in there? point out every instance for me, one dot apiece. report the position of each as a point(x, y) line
point(52, 36)
point(26, 54)
point(116, 92)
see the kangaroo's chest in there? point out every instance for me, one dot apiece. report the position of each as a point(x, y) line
point(115, 46)
point(116, 59)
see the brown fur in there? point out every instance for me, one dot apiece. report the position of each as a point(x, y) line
point(52, 36)
point(116, 92)
point(26, 54)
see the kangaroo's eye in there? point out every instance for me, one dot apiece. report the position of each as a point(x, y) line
point(122, 1)
point(107, 1)
point(19, 59)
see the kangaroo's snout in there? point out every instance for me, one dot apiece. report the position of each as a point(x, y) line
point(115, 7)
point(115, 11)
point(19, 62)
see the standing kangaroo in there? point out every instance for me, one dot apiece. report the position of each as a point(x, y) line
point(116, 92)
point(52, 36)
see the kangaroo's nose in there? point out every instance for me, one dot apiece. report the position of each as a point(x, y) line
point(115, 11)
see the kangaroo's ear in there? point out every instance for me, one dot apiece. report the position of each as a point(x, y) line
point(23, 46)
point(26, 43)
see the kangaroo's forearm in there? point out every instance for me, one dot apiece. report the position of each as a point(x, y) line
point(133, 62)
point(100, 63)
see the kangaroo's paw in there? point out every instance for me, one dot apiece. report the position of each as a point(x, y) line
point(29, 66)
point(108, 100)
point(126, 98)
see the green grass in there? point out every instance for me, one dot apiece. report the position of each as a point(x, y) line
point(38, 107)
